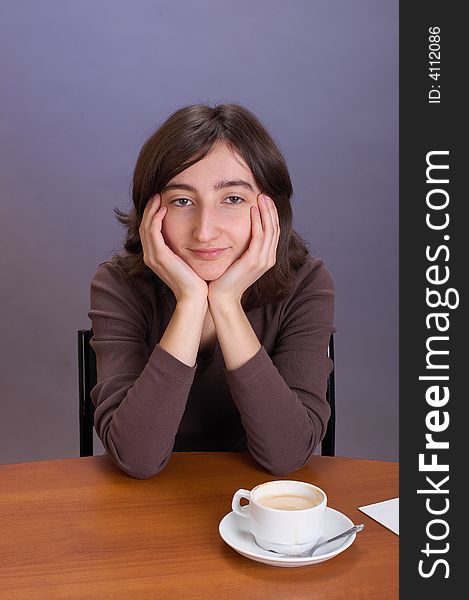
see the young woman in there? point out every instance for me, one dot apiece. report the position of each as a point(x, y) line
point(211, 328)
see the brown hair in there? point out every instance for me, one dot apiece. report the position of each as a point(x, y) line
point(182, 140)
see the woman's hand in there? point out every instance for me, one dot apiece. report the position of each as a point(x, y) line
point(259, 257)
point(177, 274)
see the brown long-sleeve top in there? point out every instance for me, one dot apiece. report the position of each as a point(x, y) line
point(148, 403)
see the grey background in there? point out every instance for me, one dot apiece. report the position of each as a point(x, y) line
point(84, 83)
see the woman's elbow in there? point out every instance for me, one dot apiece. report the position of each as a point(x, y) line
point(136, 466)
point(282, 466)
point(139, 470)
point(280, 471)
point(284, 469)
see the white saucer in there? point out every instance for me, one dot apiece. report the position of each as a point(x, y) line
point(234, 531)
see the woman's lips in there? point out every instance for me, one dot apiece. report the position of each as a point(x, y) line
point(209, 254)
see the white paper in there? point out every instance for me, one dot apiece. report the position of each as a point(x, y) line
point(386, 513)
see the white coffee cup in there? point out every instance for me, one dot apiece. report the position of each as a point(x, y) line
point(284, 516)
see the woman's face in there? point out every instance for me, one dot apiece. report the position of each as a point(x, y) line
point(209, 209)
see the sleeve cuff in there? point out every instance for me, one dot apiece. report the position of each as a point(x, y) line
point(251, 369)
point(168, 365)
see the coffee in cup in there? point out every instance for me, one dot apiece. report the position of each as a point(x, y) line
point(285, 516)
point(290, 501)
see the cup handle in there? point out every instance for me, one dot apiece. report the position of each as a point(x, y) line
point(242, 511)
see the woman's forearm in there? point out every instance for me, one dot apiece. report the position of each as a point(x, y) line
point(137, 417)
point(237, 339)
point(182, 336)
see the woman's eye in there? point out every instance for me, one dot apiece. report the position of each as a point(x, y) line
point(238, 200)
point(231, 200)
point(181, 202)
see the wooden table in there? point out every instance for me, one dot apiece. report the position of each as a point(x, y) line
point(81, 528)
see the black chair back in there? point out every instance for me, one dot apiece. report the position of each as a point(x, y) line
point(87, 381)
point(328, 443)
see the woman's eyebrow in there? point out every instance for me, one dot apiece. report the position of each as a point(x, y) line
point(220, 185)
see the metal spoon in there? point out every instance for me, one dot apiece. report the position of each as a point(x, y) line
point(311, 551)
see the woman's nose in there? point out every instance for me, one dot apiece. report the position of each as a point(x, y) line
point(206, 226)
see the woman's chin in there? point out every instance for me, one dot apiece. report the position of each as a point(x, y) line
point(209, 272)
